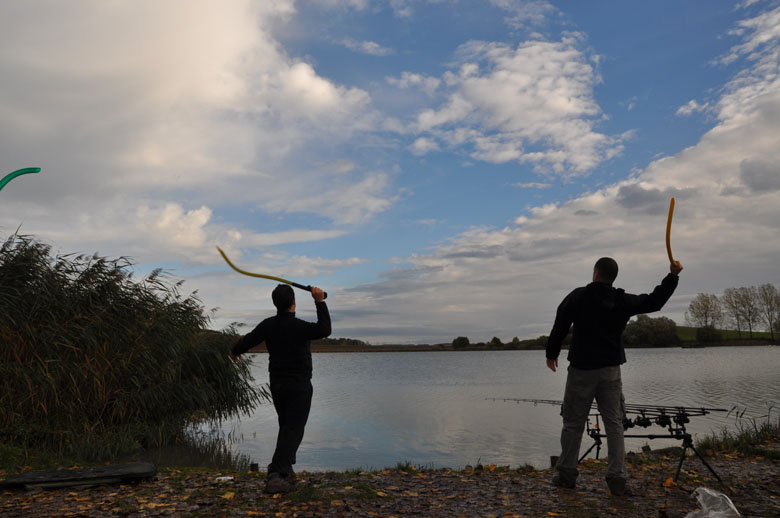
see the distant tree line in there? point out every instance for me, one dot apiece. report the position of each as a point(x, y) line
point(341, 341)
point(495, 343)
point(742, 309)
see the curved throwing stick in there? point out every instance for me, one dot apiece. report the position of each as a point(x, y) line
point(20, 172)
point(261, 276)
point(669, 232)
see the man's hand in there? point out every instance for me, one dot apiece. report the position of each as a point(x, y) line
point(317, 294)
point(552, 364)
point(676, 268)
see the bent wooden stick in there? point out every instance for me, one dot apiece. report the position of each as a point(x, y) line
point(261, 276)
point(669, 232)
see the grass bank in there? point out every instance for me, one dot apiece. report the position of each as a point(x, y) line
point(499, 491)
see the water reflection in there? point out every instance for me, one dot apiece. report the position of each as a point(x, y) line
point(374, 410)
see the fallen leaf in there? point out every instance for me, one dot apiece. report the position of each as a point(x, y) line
point(228, 495)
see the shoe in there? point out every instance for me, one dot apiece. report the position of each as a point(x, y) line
point(618, 487)
point(559, 481)
point(276, 484)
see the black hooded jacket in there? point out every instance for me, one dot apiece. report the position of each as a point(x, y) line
point(288, 340)
point(599, 313)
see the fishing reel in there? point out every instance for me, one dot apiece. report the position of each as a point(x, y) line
point(641, 420)
point(662, 419)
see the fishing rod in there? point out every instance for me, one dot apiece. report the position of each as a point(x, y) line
point(10, 176)
point(673, 418)
point(262, 276)
point(630, 408)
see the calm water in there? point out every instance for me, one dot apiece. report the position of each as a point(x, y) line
point(373, 410)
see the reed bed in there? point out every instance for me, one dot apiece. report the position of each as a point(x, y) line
point(96, 364)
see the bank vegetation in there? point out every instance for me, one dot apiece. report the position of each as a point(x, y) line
point(96, 364)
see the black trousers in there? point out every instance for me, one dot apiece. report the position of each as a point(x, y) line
point(292, 400)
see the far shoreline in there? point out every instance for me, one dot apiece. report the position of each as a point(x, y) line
point(319, 348)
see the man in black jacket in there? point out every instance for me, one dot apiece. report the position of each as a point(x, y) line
point(289, 365)
point(599, 314)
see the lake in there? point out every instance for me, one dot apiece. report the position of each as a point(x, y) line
point(374, 410)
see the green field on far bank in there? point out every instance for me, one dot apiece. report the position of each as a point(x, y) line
point(688, 334)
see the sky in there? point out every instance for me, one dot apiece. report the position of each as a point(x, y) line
point(440, 168)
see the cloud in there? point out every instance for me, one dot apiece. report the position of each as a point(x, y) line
point(532, 185)
point(132, 121)
point(526, 13)
point(367, 47)
point(519, 273)
point(650, 200)
point(344, 202)
point(428, 84)
point(531, 104)
point(759, 37)
point(691, 108)
point(759, 177)
point(403, 8)
point(423, 145)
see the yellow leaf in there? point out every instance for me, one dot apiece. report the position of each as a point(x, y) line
point(381, 493)
point(669, 482)
point(336, 502)
point(492, 467)
point(228, 496)
point(347, 487)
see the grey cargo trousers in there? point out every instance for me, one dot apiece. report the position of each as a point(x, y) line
point(582, 386)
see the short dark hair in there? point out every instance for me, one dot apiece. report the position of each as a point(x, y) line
point(607, 268)
point(283, 297)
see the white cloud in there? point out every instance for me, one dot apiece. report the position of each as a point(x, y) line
point(403, 8)
point(428, 84)
point(532, 185)
point(125, 115)
point(423, 145)
point(367, 47)
point(763, 33)
point(345, 202)
point(526, 13)
point(724, 232)
point(691, 108)
point(353, 4)
point(533, 103)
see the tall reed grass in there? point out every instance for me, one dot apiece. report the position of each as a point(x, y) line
point(94, 363)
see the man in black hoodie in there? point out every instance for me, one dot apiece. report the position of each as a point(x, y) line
point(289, 365)
point(599, 314)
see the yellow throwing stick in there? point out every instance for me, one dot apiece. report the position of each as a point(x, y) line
point(261, 276)
point(669, 232)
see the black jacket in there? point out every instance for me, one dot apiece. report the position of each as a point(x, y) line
point(599, 313)
point(288, 340)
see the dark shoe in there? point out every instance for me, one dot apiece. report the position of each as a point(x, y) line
point(276, 484)
point(559, 481)
point(618, 487)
